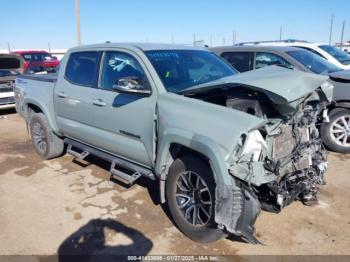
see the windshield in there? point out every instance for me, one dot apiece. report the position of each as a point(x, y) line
point(4, 73)
point(37, 57)
point(314, 62)
point(338, 54)
point(181, 69)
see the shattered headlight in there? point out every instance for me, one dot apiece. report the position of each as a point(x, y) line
point(253, 145)
point(327, 88)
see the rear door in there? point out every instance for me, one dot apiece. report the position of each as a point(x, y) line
point(74, 94)
point(125, 123)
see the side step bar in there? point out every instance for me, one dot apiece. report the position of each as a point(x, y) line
point(122, 169)
point(77, 155)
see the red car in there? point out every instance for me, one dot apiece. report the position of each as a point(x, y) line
point(38, 61)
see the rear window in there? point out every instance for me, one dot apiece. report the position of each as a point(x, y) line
point(81, 68)
point(311, 50)
point(242, 61)
point(338, 54)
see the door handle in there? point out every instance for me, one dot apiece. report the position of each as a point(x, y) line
point(61, 94)
point(99, 102)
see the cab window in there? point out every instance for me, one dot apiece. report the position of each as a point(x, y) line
point(81, 68)
point(118, 65)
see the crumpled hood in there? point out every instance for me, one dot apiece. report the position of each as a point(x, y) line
point(281, 85)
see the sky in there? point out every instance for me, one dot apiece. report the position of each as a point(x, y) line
point(36, 23)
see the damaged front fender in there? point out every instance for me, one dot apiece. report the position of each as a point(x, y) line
point(236, 210)
point(210, 130)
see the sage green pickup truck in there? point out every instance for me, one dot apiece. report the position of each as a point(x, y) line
point(220, 145)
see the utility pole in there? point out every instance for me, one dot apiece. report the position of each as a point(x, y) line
point(233, 37)
point(77, 21)
point(8, 47)
point(49, 46)
point(342, 35)
point(281, 30)
point(331, 29)
point(194, 39)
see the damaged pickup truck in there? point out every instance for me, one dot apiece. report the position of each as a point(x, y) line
point(221, 145)
point(10, 66)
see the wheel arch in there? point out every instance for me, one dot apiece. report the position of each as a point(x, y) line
point(340, 104)
point(32, 105)
point(178, 142)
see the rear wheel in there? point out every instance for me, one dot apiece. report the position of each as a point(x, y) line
point(190, 191)
point(336, 133)
point(45, 142)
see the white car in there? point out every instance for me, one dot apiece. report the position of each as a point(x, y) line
point(331, 53)
point(10, 66)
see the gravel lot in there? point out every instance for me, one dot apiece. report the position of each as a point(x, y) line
point(60, 206)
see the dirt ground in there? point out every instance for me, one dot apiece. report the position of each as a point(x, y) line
point(60, 206)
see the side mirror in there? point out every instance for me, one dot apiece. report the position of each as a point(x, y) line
point(132, 85)
point(54, 57)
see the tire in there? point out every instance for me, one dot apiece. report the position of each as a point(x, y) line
point(186, 167)
point(336, 133)
point(45, 142)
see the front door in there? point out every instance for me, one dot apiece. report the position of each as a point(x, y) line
point(124, 122)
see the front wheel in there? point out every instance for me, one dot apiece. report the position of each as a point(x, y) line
point(190, 192)
point(336, 133)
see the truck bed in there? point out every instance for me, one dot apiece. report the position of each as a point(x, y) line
point(34, 87)
point(40, 77)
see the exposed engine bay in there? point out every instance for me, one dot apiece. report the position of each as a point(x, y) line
point(284, 160)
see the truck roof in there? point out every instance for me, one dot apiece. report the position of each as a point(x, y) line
point(140, 46)
point(29, 52)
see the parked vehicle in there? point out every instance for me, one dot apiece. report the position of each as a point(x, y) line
point(331, 53)
point(10, 67)
point(221, 144)
point(336, 132)
point(38, 61)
